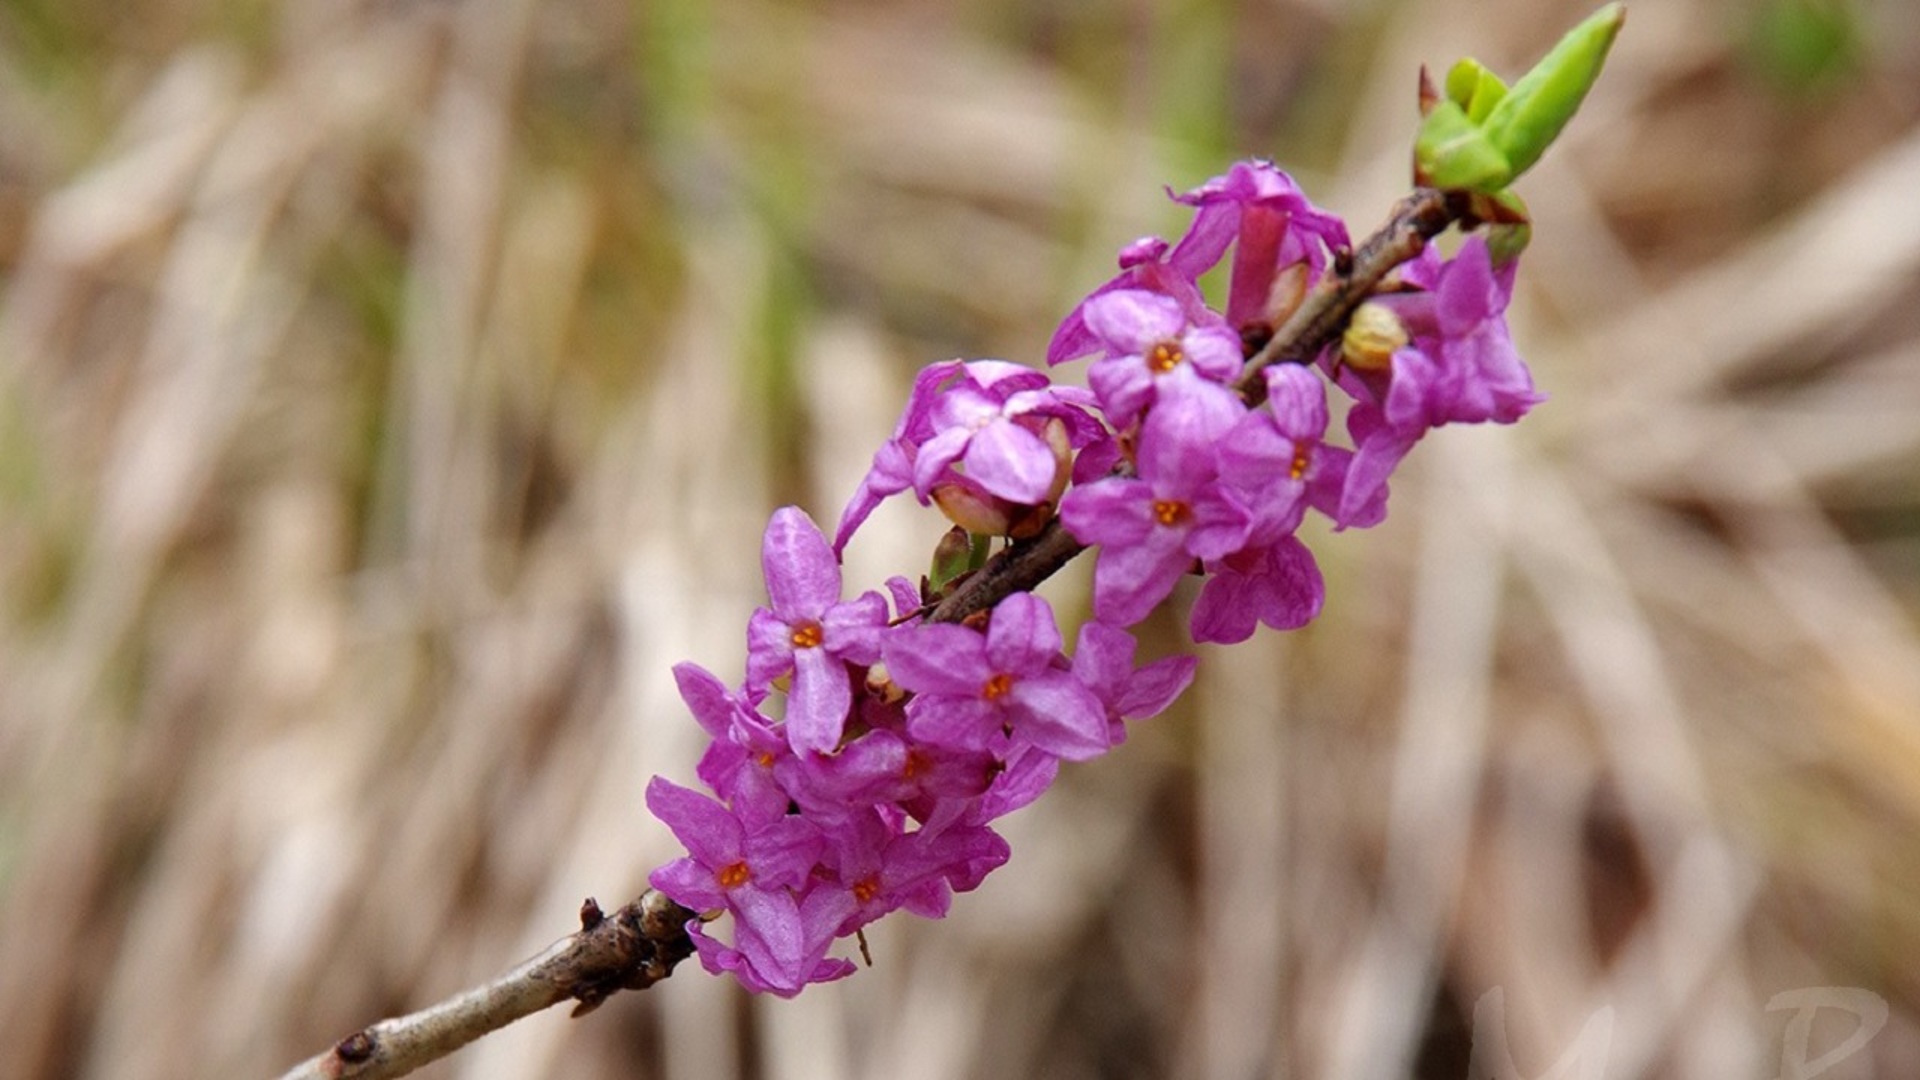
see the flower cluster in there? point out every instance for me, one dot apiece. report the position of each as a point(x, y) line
point(900, 743)
point(899, 740)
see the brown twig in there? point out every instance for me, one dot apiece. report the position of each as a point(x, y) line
point(639, 944)
point(1323, 315)
point(631, 949)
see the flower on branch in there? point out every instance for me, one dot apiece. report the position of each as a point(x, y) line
point(1151, 341)
point(982, 439)
point(1272, 226)
point(1459, 366)
point(905, 738)
point(1151, 528)
point(809, 631)
point(989, 691)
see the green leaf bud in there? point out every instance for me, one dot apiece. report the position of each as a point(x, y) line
point(1474, 88)
point(1528, 118)
point(1452, 153)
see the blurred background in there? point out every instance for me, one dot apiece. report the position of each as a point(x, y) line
point(391, 391)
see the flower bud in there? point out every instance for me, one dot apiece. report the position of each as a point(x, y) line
point(1289, 288)
point(881, 685)
point(1509, 227)
point(969, 506)
point(1373, 335)
point(1060, 441)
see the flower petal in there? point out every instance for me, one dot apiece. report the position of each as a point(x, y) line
point(817, 706)
point(1131, 321)
point(708, 831)
point(1012, 462)
point(1155, 687)
point(1058, 714)
point(802, 575)
point(937, 659)
point(1022, 636)
point(706, 698)
point(1111, 511)
point(1129, 580)
point(952, 721)
point(1298, 399)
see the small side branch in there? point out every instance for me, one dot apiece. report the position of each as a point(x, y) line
point(630, 949)
point(1017, 569)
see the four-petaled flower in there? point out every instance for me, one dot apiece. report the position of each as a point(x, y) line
point(1272, 226)
point(1152, 528)
point(809, 631)
point(1151, 342)
point(989, 691)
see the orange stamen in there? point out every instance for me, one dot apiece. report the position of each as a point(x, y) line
point(1302, 458)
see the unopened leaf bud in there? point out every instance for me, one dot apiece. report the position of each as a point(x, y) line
point(952, 556)
point(1529, 117)
point(1452, 153)
point(1474, 88)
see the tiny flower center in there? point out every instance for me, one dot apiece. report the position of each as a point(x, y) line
point(997, 687)
point(1164, 357)
point(867, 888)
point(1302, 459)
point(917, 763)
point(764, 759)
point(1171, 511)
point(733, 875)
point(807, 634)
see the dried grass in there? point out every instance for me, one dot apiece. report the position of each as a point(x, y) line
point(391, 393)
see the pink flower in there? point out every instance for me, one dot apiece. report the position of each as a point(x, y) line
point(1279, 457)
point(1143, 265)
point(809, 631)
point(1459, 367)
point(1103, 659)
point(1263, 213)
point(991, 691)
point(994, 435)
point(1150, 342)
point(780, 940)
point(886, 868)
point(1152, 528)
point(1275, 583)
